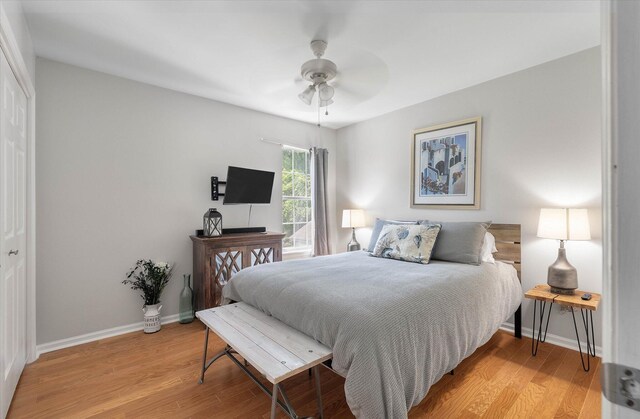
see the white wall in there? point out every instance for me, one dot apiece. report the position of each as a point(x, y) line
point(541, 148)
point(621, 55)
point(12, 10)
point(123, 174)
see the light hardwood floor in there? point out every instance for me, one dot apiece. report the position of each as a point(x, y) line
point(155, 376)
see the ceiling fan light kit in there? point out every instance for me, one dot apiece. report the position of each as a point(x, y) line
point(307, 95)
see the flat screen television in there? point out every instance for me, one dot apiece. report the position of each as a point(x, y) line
point(248, 186)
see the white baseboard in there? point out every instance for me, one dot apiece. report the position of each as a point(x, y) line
point(100, 334)
point(120, 330)
point(553, 339)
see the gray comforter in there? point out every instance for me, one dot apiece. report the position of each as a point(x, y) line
point(395, 327)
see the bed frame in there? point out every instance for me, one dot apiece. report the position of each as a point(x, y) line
point(279, 351)
point(509, 251)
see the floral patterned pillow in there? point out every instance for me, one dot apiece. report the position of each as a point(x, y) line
point(411, 243)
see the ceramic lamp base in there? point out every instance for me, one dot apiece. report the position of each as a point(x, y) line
point(562, 277)
point(562, 291)
point(353, 244)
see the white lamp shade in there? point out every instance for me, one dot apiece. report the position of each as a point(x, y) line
point(325, 103)
point(564, 224)
point(352, 218)
point(307, 95)
point(325, 92)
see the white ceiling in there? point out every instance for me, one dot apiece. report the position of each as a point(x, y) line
point(390, 54)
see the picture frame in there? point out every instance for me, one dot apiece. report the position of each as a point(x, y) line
point(446, 165)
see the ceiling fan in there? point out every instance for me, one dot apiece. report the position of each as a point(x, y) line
point(318, 71)
point(318, 84)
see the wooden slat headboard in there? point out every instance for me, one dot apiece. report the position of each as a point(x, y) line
point(508, 244)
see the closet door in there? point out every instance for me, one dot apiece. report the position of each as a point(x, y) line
point(13, 146)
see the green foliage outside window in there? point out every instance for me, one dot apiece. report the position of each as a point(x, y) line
point(296, 198)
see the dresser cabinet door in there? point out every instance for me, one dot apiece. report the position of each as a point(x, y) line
point(262, 255)
point(217, 260)
point(224, 264)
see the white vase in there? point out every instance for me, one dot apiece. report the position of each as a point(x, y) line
point(152, 318)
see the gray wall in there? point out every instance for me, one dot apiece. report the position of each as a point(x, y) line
point(123, 173)
point(541, 148)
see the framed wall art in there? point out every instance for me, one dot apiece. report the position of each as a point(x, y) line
point(445, 167)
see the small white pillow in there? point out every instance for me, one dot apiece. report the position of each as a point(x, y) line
point(488, 248)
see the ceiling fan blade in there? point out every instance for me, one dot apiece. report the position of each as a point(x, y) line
point(362, 73)
point(360, 90)
point(345, 99)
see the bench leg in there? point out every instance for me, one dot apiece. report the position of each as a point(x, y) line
point(287, 403)
point(316, 372)
point(204, 355)
point(274, 401)
point(278, 389)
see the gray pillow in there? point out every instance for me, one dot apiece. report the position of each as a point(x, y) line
point(459, 242)
point(377, 228)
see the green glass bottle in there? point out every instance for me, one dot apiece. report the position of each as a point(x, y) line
point(186, 301)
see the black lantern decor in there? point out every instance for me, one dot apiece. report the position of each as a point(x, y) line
point(212, 223)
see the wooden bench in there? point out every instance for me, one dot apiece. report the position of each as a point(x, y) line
point(276, 350)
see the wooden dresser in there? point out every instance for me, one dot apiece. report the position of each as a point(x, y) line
point(217, 259)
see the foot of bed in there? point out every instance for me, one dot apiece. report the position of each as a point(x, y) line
point(517, 319)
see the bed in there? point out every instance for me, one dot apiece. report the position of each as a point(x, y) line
point(395, 327)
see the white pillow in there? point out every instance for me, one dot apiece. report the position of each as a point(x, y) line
point(488, 248)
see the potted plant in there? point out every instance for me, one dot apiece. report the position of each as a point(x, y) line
point(150, 277)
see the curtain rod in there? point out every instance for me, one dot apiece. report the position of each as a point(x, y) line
point(266, 140)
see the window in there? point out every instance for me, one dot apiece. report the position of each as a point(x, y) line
point(296, 199)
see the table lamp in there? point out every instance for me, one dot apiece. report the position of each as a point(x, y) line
point(563, 224)
point(353, 218)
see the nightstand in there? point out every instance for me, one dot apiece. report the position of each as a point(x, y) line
point(541, 295)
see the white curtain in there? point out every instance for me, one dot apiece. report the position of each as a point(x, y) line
point(319, 201)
